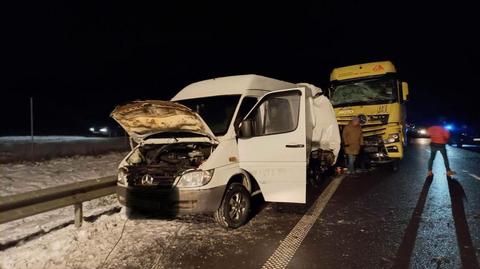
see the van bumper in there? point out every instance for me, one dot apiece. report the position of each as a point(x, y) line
point(172, 201)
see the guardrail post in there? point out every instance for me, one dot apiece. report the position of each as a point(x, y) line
point(78, 214)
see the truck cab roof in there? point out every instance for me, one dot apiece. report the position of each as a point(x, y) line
point(362, 70)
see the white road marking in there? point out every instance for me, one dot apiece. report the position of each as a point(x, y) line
point(472, 175)
point(284, 253)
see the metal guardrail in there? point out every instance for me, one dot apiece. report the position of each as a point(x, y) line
point(27, 204)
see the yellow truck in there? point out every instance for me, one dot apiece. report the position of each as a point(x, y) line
point(374, 93)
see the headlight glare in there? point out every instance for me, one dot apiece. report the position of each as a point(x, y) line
point(392, 138)
point(195, 178)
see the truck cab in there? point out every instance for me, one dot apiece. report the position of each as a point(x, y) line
point(374, 93)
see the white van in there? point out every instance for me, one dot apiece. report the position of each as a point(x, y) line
point(192, 156)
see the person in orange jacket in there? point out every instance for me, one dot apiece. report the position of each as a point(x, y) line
point(439, 137)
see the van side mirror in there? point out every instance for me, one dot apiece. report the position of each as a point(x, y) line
point(246, 129)
point(404, 91)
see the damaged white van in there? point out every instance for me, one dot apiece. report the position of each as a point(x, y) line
point(221, 141)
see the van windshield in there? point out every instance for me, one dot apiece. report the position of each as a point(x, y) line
point(216, 111)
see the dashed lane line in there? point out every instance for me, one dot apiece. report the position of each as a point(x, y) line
point(472, 175)
point(284, 253)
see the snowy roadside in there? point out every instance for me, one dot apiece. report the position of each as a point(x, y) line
point(90, 245)
point(19, 148)
point(23, 177)
point(112, 241)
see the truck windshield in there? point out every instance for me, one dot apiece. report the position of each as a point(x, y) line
point(364, 92)
point(216, 111)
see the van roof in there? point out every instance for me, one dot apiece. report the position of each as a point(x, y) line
point(231, 85)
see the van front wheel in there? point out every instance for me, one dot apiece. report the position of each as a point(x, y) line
point(235, 207)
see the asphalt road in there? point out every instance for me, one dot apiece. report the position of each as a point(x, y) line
point(380, 219)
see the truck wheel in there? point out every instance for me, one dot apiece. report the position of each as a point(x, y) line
point(235, 207)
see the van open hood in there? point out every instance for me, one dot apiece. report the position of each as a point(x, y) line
point(141, 119)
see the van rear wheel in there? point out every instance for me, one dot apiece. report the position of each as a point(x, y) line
point(235, 207)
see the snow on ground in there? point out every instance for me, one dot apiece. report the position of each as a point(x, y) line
point(90, 245)
point(113, 241)
point(44, 139)
point(19, 148)
point(23, 177)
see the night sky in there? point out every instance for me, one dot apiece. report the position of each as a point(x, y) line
point(79, 60)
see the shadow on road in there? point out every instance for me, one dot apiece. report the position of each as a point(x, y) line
point(465, 245)
point(404, 253)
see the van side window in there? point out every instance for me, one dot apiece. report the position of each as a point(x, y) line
point(278, 113)
point(247, 103)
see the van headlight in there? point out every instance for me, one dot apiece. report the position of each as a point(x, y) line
point(195, 178)
point(122, 176)
point(392, 138)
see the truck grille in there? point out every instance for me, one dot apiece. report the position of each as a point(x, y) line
point(368, 129)
point(373, 129)
point(373, 119)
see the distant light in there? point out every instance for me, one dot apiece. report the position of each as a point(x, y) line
point(104, 130)
point(449, 127)
point(422, 131)
point(92, 129)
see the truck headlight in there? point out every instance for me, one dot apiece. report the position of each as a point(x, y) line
point(195, 178)
point(392, 138)
point(422, 131)
point(122, 176)
point(104, 130)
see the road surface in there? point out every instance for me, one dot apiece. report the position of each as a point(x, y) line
point(380, 219)
point(377, 220)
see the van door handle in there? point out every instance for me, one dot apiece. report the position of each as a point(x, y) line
point(295, 146)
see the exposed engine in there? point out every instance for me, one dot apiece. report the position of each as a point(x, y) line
point(159, 165)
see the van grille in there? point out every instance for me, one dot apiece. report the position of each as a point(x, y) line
point(143, 176)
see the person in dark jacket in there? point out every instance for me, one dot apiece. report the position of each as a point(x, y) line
point(352, 140)
point(439, 137)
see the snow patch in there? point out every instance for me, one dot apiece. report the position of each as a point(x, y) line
point(24, 177)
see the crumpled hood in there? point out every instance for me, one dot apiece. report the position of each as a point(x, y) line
point(141, 119)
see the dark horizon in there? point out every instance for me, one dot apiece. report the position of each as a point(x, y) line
point(79, 61)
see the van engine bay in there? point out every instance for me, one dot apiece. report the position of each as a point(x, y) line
point(159, 165)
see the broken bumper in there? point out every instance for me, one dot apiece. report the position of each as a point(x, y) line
point(172, 201)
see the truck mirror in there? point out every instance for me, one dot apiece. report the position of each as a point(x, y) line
point(246, 129)
point(405, 91)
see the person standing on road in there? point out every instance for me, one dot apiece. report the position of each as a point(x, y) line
point(439, 137)
point(352, 140)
